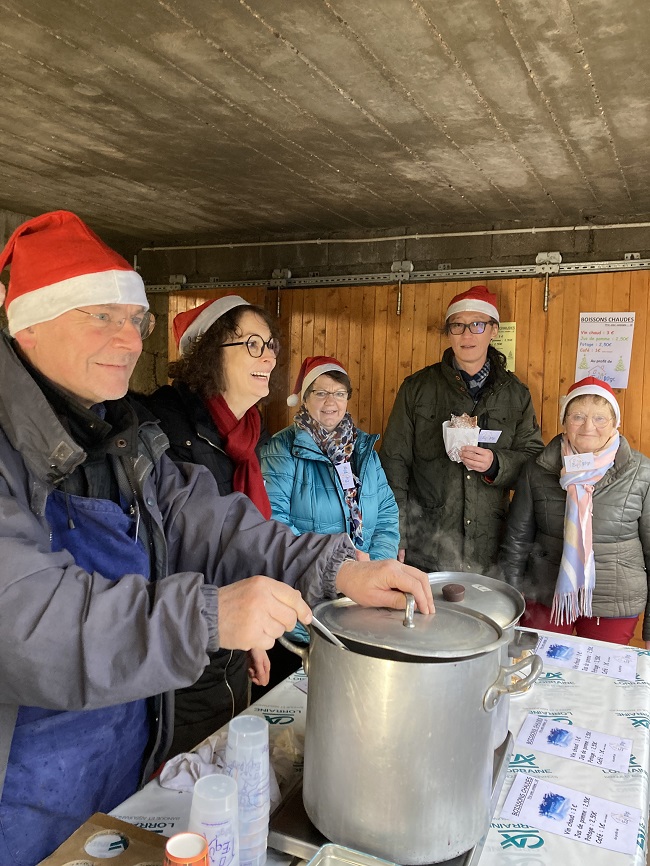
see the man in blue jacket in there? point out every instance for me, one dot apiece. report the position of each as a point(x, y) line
point(119, 570)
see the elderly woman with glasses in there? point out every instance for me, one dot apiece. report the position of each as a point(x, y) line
point(322, 473)
point(228, 351)
point(577, 543)
point(452, 508)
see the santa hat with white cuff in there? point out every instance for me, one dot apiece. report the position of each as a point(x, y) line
point(310, 370)
point(58, 264)
point(478, 299)
point(590, 386)
point(192, 324)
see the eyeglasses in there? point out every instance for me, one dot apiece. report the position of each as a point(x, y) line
point(339, 396)
point(578, 419)
point(458, 328)
point(256, 345)
point(143, 322)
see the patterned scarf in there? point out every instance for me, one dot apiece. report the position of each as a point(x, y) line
point(337, 445)
point(476, 381)
point(239, 440)
point(577, 576)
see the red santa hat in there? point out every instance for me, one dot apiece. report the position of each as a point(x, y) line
point(478, 299)
point(310, 370)
point(192, 324)
point(594, 387)
point(57, 264)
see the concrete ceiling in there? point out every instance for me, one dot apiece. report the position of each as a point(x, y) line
point(179, 119)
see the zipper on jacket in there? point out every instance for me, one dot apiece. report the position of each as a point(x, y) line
point(229, 687)
point(210, 442)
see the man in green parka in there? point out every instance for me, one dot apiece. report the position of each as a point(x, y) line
point(452, 513)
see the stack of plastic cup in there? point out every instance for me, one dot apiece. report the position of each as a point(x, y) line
point(213, 814)
point(247, 760)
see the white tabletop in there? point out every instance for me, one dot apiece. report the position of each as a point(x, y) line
point(594, 701)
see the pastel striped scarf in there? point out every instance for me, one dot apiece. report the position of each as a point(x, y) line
point(577, 577)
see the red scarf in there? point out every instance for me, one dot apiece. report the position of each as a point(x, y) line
point(240, 438)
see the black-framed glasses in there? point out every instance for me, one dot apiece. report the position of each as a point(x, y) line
point(256, 345)
point(458, 328)
point(143, 322)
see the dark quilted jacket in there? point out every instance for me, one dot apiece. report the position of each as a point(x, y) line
point(532, 548)
point(452, 519)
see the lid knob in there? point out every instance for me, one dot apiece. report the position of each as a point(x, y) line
point(453, 592)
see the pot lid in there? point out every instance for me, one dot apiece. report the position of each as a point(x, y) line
point(452, 632)
point(496, 599)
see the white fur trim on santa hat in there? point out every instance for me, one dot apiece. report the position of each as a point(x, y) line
point(587, 391)
point(311, 376)
point(48, 302)
point(207, 318)
point(472, 305)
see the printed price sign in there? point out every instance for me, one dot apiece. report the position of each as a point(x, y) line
point(577, 744)
point(562, 652)
point(572, 814)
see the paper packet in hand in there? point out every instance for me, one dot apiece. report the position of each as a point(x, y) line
point(459, 431)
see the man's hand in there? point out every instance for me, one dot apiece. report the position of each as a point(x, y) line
point(255, 611)
point(477, 459)
point(401, 554)
point(259, 667)
point(362, 556)
point(375, 584)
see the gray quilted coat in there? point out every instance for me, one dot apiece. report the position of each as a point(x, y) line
point(532, 548)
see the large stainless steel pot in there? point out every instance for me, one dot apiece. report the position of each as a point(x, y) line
point(398, 742)
point(502, 603)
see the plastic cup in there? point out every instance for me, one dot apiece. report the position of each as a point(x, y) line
point(247, 760)
point(248, 732)
point(186, 849)
point(255, 826)
point(248, 844)
point(252, 859)
point(214, 814)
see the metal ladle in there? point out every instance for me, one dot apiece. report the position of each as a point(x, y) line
point(323, 629)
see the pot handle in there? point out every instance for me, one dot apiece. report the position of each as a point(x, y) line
point(409, 612)
point(499, 687)
point(302, 651)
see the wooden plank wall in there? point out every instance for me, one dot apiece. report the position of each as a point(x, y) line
point(359, 325)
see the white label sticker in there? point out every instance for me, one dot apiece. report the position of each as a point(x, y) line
point(488, 435)
point(579, 462)
point(345, 475)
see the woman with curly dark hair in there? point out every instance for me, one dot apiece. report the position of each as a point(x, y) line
point(228, 350)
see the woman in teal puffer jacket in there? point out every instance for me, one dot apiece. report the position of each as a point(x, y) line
point(322, 473)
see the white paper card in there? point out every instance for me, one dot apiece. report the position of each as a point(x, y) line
point(489, 435)
point(572, 814)
point(579, 462)
point(577, 744)
point(560, 651)
point(345, 475)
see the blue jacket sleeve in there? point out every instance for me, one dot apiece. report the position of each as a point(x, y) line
point(385, 538)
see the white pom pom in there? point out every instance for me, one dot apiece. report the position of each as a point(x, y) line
point(292, 400)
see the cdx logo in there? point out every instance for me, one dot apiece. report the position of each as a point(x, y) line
point(521, 839)
point(278, 718)
point(518, 761)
